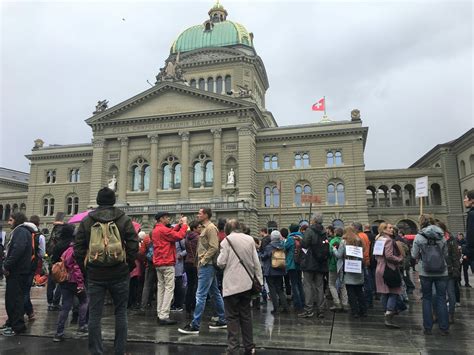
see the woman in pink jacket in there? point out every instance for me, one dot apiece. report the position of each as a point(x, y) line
point(73, 286)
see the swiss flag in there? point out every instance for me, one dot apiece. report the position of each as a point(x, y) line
point(319, 106)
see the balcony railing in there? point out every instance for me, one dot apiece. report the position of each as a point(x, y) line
point(186, 207)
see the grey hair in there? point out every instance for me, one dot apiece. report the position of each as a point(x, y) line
point(317, 218)
point(232, 225)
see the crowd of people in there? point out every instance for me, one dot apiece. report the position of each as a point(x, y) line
point(108, 259)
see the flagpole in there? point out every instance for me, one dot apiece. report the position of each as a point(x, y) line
point(324, 97)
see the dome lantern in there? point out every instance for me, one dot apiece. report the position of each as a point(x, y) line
point(217, 13)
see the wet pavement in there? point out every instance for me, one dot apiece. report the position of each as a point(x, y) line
point(280, 334)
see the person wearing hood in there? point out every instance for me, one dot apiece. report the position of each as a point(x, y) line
point(293, 265)
point(190, 265)
point(17, 268)
point(274, 276)
point(53, 291)
point(429, 233)
point(102, 278)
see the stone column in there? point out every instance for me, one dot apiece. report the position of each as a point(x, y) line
point(390, 196)
point(217, 132)
point(153, 167)
point(403, 197)
point(247, 156)
point(184, 164)
point(96, 168)
point(377, 197)
point(122, 180)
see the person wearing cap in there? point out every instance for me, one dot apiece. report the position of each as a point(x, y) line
point(101, 279)
point(164, 260)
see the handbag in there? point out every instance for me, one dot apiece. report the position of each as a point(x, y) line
point(256, 285)
point(391, 277)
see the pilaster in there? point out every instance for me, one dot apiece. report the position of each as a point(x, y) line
point(184, 164)
point(98, 145)
point(153, 166)
point(217, 133)
point(122, 180)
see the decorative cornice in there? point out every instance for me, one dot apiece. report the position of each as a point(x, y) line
point(50, 155)
point(302, 135)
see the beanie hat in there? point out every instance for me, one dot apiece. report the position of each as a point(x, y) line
point(106, 197)
point(276, 235)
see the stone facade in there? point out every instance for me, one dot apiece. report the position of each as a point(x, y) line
point(173, 146)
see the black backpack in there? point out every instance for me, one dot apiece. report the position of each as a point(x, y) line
point(320, 249)
point(432, 256)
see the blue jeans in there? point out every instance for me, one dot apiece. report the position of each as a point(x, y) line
point(451, 288)
point(207, 284)
point(119, 290)
point(68, 291)
point(296, 288)
point(440, 284)
point(389, 301)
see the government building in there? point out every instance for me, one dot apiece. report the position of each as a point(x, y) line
point(202, 137)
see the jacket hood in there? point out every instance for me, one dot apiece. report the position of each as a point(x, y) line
point(433, 232)
point(105, 214)
point(277, 244)
point(192, 235)
point(299, 234)
point(31, 226)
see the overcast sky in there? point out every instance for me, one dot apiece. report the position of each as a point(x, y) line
point(406, 65)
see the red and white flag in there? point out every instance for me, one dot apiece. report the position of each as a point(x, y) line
point(320, 105)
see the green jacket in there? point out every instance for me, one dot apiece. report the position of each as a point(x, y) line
point(332, 261)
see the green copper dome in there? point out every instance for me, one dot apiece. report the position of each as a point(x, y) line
point(215, 32)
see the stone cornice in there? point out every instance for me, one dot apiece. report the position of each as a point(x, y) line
point(283, 134)
point(48, 155)
point(13, 183)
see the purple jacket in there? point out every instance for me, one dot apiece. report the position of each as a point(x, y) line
point(73, 269)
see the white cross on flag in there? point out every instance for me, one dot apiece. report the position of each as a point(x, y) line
point(319, 106)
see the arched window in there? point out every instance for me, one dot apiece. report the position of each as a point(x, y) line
point(435, 194)
point(228, 84)
point(72, 203)
point(298, 193)
point(136, 178)
point(307, 190)
point(340, 196)
point(209, 177)
point(370, 195)
point(8, 212)
point(271, 226)
point(331, 194)
point(276, 197)
point(409, 195)
point(210, 84)
point(177, 176)
point(166, 177)
point(338, 158)
point(274, 162)
point(471, 163)
point(267, 197)
point(338, 223)
point(202, 84)
point(192, 83)
point(219, 85)
point(197, 174)
point(48, 206)
point(305, 160)
point(15, 208)
point(23, 208)
point(146, 177)
point(266, 162)
point(298, 161)
point(1, 213)
point(462, 169)
point(330, 159)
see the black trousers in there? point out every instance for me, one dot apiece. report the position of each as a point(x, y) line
point(192, 277)
point(14, 302)
point(239, 319)
point(357, 301)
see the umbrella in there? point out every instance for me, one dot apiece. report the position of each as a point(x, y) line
point(77, 218)
point(137, 226)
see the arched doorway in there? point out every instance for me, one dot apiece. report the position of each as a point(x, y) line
point(407, 226)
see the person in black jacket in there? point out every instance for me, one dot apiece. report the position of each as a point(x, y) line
point(53, 291)
point(314, 265)
point(468, 249)
point(114, 278)
point(17, 267)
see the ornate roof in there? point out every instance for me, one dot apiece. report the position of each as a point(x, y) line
point(215, 32)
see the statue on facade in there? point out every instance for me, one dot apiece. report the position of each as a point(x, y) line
point(231, 177)
point(38, 143)
point(355, 115)
point(172, 71)
point(244, 91)
point(113, 183)
point(101, 106)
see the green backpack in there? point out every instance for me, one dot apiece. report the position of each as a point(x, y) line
point(105, 245)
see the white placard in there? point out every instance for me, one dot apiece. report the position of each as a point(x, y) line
point(379, 246)
point(354, 266)
point(352, 250)
point(422, 187)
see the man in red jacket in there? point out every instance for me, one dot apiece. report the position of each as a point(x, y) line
point(164, 259)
